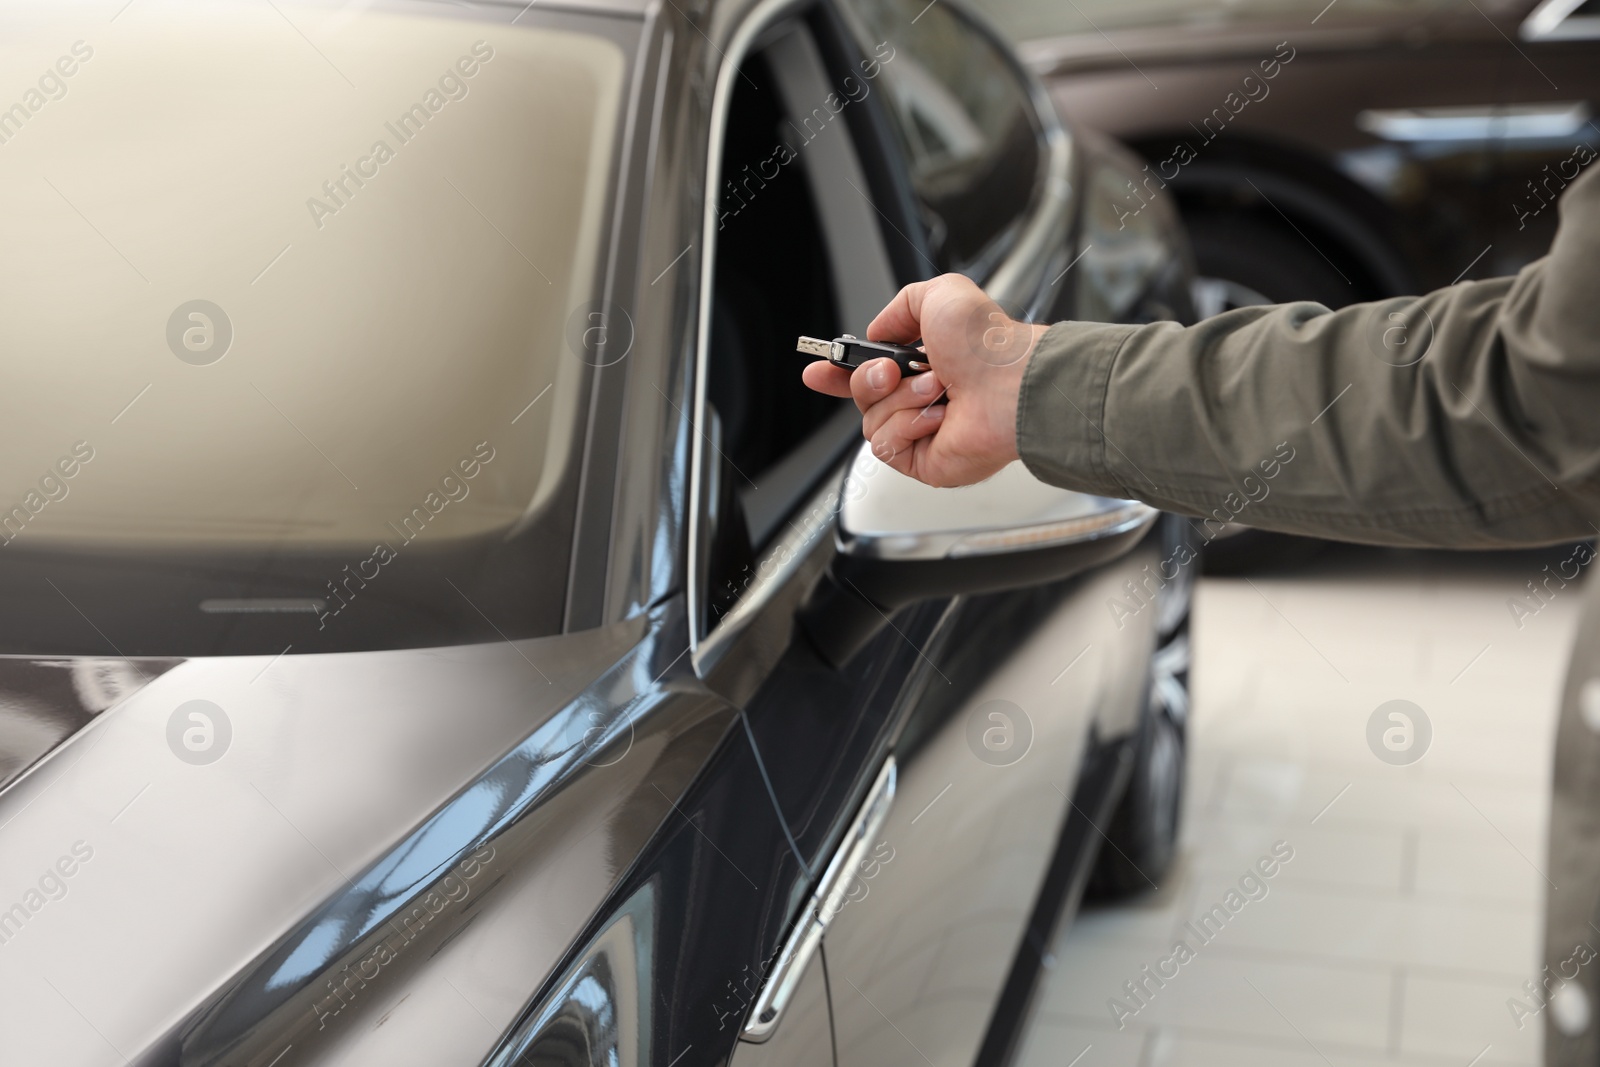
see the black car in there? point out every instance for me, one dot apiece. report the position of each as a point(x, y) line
point(440, 627)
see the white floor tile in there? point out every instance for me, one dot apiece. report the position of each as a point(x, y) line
point(1344, 1006)
point(1413, 907)
point(1459, 1018)
point(1301, 922)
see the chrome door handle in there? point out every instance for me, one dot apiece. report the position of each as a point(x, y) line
point(795, 957)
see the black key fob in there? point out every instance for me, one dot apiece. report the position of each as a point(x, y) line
point(851, 352)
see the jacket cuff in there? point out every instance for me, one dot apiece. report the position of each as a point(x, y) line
point(1062, 403)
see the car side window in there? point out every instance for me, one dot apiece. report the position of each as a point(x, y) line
point(965, 123)
point(798, 251)
point(771, 284)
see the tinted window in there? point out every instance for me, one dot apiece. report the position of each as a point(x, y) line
point(963, 119)
point(761, 304)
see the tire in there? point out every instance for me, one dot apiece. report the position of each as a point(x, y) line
point(1178, 550)
point(1255, 258)
point(1247, 550)
point(1141, 840)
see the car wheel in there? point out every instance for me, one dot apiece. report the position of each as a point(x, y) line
point(1241, 260)
point(1142, 837)
point(1242, 550)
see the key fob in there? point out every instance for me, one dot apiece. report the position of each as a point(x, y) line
point(850, 352)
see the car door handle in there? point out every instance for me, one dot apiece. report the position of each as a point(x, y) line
point(795, 957)
point(1486, 122)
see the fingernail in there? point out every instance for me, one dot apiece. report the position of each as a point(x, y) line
point(923, 384)
point(934, 412)
point(877, 376)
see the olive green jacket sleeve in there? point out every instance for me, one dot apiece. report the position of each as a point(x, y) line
point(1464, 418)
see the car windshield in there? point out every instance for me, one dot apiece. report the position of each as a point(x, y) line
point(293, 323)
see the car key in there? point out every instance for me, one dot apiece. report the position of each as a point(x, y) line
point(850, 352)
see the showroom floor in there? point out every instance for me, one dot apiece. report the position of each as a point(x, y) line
point(1410, 910)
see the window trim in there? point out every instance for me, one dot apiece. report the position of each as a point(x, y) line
point(761, 17)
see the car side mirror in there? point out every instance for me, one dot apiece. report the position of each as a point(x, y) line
point(900, 541)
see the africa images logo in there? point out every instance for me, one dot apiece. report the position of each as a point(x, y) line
point(49, 886)
point(999, 732)
point(50, 86)
point(53, 488)
point(854, 90)
point(1399, 732)
point(1251, 888)
point(199, 332)
point(452, 488)
point(199, 732)
point(404, 928)
point(339, 190)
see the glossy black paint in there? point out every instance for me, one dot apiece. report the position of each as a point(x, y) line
point(718, 876)
point(330, 973)
point(816, 733)
point(723, 877)
point(774, 749)
point(47, 699)
point(828, 728)
point(1101, 782)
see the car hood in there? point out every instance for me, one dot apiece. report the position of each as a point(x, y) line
point(135, 851)
point(46, 699)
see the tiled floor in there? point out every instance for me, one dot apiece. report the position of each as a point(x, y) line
point(1410, 911)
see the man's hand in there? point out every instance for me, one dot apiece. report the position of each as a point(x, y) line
point(978, 354)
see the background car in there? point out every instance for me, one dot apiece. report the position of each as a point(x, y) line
point(445, 630)
point(1336, 152)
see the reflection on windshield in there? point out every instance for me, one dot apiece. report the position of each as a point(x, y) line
point(289, 291)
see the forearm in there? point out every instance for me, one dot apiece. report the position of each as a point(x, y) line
point(1467, 417)
point(1299, 419)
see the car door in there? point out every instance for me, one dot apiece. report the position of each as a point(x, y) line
point(789, 247)
point(798, 247)
point(1012, 693)
point(768, 502)
point(925, 935)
